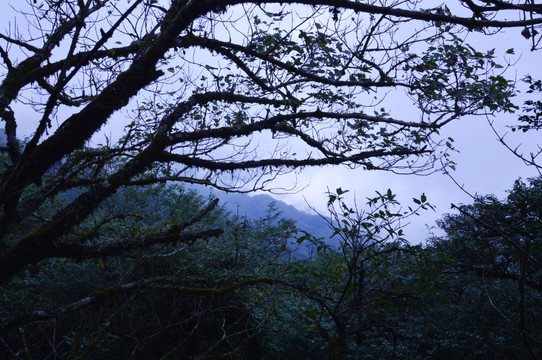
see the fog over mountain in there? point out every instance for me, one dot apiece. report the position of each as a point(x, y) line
point(256, 207)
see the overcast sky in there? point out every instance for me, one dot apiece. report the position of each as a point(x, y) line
point(483, 165)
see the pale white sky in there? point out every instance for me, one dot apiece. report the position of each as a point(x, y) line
point(483, 165)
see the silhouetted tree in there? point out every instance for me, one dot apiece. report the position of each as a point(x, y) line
point(227, 94)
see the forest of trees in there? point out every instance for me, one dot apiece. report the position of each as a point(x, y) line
point(105, 252)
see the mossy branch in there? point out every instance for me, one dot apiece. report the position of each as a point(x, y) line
point(151, 284)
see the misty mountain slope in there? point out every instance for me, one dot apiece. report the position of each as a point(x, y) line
point(255, 207)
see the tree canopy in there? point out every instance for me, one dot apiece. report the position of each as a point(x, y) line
point(500, 242)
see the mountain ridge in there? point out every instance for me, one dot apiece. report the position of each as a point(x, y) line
point(255, 207)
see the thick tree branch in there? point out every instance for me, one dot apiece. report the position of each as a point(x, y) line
point(81, 251)
point(359, 159)
point(151, 284)
point(423, 15)
point(270, 124)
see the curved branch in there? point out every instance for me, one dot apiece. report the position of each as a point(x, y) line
point(291, 163)
point(270, 123)
point(219, 46)
point(471, 23)
point(80, 251)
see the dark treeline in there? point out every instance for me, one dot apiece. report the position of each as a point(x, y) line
point(474, 293)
